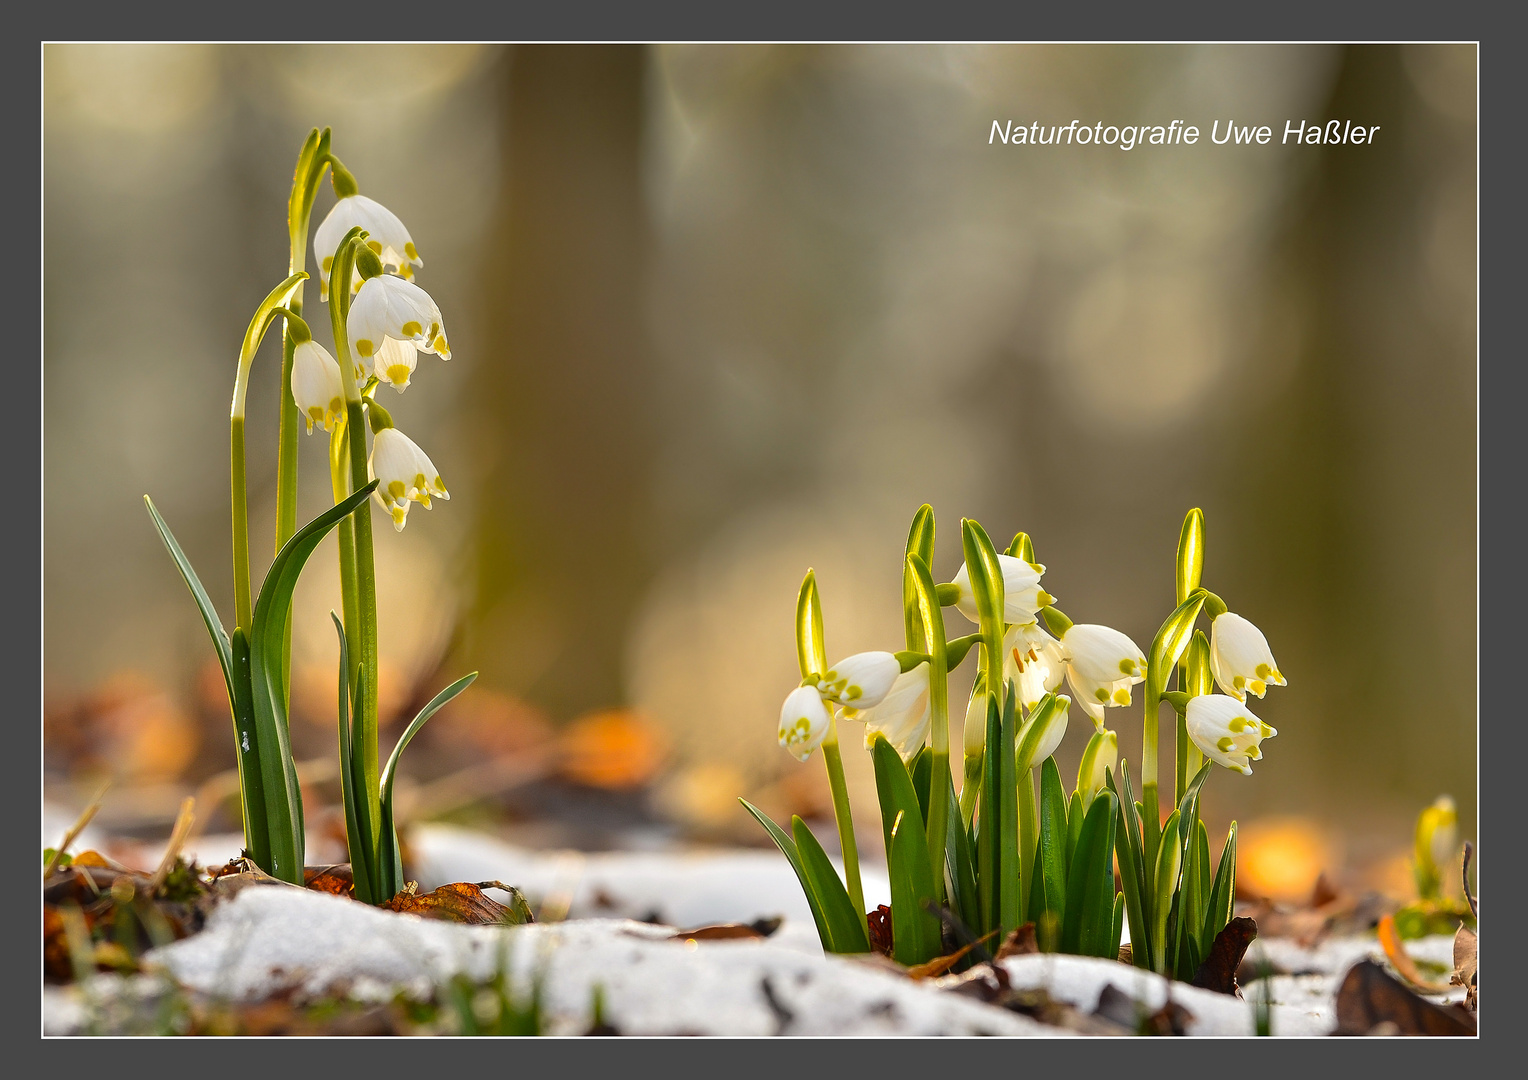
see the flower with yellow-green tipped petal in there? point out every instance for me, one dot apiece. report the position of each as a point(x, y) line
point(1033, 660)
point(406, 473)
point(1225, 731)
point(803, 722)
point(1102, 665)
point(387, 238)
point(389, 307)
point(1240, 657)
point(395, 362)
point(316, 386)
point(860, 681)
point(902, 715)
point(1102, 754)
point(1022, 595)
point(1043, 731)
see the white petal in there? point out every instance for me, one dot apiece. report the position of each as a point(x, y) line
point(1102, 654)
point(903, 714)
point(391, 240)
point(1240, 658)
point(316, 386)
point(1226, 731)
point(803, 722)
point(1022, 596)
point(395, 362)
point(389, 307)
point(860, 681)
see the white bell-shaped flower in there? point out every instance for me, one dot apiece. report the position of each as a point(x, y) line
point(860, 681)
point(406, 474)
point(1102, 665)
point(803, 722)
point(389, 307)
point(1225, 731)
point(395, 362)
point(387, 238)
point(316, 385)
point(903, 715)
point(1033, 660)
point(1240, 657)
point(974, 734)
point(1022, 595)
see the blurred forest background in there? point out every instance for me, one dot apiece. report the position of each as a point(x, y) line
point(720, 314)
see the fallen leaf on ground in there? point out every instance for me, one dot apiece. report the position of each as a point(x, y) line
point(1019, 943)
point(1218, 972)
point(717, 932)
point(879, 921)
point(1120, 1008)
point(1395, 952)
point(1369, 997)
point(463, 902)
point(337, 879)
point(941, 964)
point(1465, 957)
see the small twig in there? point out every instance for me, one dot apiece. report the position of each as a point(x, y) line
point(960, 930)
point(183, 823)
point(1469, 849)
point(78, 827)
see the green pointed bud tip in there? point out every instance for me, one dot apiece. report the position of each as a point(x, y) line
point(1055, 620)
point(297, 329)
point(367, 264)
point(342, 179)
point(379, 418)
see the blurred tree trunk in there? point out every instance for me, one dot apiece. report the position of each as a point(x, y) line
point(562, 438)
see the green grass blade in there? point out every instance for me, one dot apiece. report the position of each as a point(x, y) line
point(844, 924)
point(914, 928)
point(1127, 849)
point(787, 848)
point(1053, 834)
point(1089, 915)
point(1074, 821)
point(922, 772)
point(247, 748)
point(1169, 863)
point(963, 892)
point(1008, 817)
point(989, 834)
point(361, 869)
point(1118, 923)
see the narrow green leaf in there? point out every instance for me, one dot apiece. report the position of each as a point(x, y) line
point(838, 912)
point(1172, 638)
point(247, 747)
point(1008, 818)
point(1074, 818)
point(1048, 712)
point(920, 537)
point(1088, 923)
point(283, 797)
point(811, 650)
point(1053, 835)
point(389, 835)
point(1117, 924)
point(963, 891)
point(1127, 848)
point(787, 848)
point(893, 787)
point(220, 639)
point(989, 836)
point(914, 928)
point(1029, 843)
point(920, 543)
point(356, 844)
point(1169, 863)
point(922, 771)
point(1222, 894)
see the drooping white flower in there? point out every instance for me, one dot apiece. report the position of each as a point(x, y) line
point(1225, 731)
point(1022, 595)
point(903, 715)
point(1033, 660)
point(316, 385)
point(395, 362)
point(803, 722)
point(387, 238)
point(860, 681)
point(389, 307)
point(1102, 665)
point(1240, 657)
point(406, 474)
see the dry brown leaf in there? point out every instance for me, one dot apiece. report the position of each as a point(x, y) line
point(1466, 955)
point(337, 880)
point(879, 922)
point(717, 932)
point(1021, 942)
point(1369, 997)
point(1395, 952)
point(940, 964)
point(462, 902)
point(1218, 972)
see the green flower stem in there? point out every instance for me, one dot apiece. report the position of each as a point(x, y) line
point(835, 763)
point(361, 633)
point(339, 481)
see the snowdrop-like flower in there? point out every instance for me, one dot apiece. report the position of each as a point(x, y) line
point(859, 682)
point(387, 238)
point(1043, 732)
point(1033, 660)
point(903, 715)
point(1102, 665)
point(1225, 731)
point(1240, 657)
point(406, 473)
point(803, 722)
point(395, 362)
point(1022, 595)
point(316, 385)
point(389, 307)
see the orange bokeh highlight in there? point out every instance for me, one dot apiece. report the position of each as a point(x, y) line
point(1281, 857)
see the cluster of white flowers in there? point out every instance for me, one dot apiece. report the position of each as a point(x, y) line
point(1100, 665)
point(391, 321)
